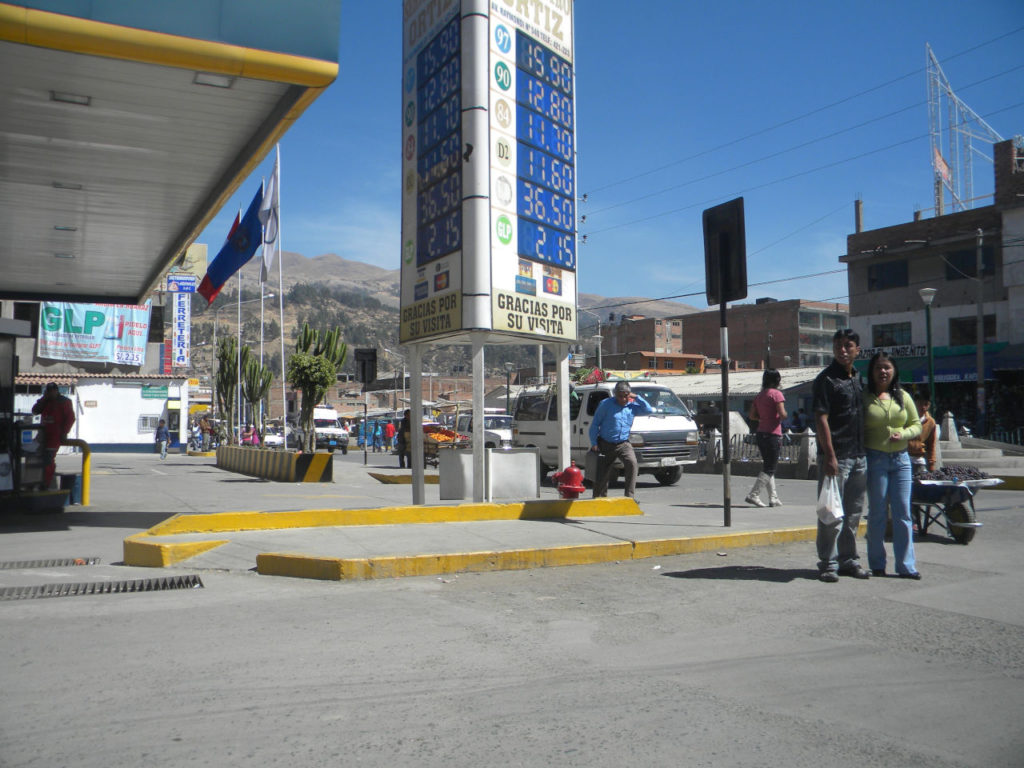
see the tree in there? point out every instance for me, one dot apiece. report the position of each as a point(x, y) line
point(227, 380)
point(312, 369)
point(256, 379)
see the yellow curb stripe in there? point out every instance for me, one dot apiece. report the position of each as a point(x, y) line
point(149, 554)
point(1010, 483)
point(343, 569)
point(402, 479)
point(314, 518)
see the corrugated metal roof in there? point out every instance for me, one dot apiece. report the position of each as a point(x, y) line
point(740, 382)
point(64, 378)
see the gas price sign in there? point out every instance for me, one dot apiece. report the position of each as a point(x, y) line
point(533, 170)
point(432, 173)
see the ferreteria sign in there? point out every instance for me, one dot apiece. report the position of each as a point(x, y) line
point(107, 333)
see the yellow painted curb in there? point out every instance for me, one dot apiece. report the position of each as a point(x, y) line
point(203, 454)
point(403, 479)
point(344, 569)
point(140, 550)
point(1010, 483)
point(151, 554)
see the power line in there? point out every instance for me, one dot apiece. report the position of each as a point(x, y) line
point(763, 131)
point(784, 178)
point(793, 148)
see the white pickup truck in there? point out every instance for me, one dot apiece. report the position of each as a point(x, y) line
point(663, 441)
point(328, 432)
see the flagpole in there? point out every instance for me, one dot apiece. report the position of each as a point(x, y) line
point(238, 364)
point(280, 299)
point(260, 422)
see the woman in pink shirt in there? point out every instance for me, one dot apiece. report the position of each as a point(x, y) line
point(768, 410)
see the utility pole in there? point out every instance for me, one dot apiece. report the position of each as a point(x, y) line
point(979, 426)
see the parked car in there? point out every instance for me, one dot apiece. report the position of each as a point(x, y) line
point(497, 429)
point(329, 434)
point(274, 438)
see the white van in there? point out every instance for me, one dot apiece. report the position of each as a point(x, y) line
point(663, 441)
point(497, 428)
point(328, 431)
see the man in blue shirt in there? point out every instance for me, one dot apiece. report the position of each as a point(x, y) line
point(609, 437)
point(162, 438)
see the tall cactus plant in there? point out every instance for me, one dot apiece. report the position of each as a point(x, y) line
point(256, 380)
point(227, 381)
point(312, 369)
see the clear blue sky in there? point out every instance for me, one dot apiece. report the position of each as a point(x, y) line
point(681, 106)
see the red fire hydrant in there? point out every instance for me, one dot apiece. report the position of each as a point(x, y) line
point(570, 481)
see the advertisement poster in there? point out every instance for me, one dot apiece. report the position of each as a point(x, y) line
point(104, 333)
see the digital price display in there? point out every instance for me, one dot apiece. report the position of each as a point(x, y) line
point(545, 155)
point(439, 138)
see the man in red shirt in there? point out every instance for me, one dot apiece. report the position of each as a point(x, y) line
point(58, 415)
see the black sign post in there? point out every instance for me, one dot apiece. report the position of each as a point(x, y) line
point(725, 267)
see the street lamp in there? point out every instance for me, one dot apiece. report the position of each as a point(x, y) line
point(597, 336)
point(509, 365)
point(928, 296)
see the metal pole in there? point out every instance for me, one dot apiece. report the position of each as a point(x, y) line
point(931, 358)
point(726, 453)
point(979, 426)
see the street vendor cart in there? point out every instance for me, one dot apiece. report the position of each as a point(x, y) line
point(434, 436)
point(948, 504)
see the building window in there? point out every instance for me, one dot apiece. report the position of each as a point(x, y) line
point(810, 320)
point(963, 264)
point(888, 274)
point(148, 424)
point(28, 310)
point(963, 331)
point(677, 323)
point(815, 341)
point(890, 334)
point(657, 323)
point(833, 322)
point(667, 364)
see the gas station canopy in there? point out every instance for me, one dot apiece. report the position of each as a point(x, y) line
point(125, 127)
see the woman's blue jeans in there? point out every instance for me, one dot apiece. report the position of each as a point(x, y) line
point(889, 486)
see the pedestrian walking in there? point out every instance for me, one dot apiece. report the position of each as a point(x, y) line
point(163, 437)
point(768, 410)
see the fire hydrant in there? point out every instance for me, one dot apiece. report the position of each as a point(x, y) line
point(570, 481)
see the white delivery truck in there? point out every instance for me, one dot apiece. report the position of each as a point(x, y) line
point(663, 441)
point(497, 428)
point(328, 432)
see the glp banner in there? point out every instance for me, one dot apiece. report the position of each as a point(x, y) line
point(107, 333)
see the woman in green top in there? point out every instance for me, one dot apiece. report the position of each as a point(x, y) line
point(890, 420)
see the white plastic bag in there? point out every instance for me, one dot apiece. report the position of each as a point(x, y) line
point(830, 502)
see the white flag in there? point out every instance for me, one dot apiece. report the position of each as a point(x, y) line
point(270, 216)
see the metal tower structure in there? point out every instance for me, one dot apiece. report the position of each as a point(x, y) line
point(953, 127)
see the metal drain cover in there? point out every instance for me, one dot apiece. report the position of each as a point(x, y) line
point(12, 565)
point(101, 587)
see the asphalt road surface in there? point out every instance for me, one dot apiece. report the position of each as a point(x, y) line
point(735, 659)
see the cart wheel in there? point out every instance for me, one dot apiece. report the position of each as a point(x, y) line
point(961, 513)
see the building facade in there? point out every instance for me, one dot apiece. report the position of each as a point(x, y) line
point(779, 334)
point(635, 333)
point(888, 267)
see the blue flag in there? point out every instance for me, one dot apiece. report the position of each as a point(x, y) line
point(240, 247)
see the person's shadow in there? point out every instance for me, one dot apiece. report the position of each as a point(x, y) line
point(747, 573)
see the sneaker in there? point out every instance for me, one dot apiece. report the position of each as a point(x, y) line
point(755, 501)
point(830, 577)
point(857, 572)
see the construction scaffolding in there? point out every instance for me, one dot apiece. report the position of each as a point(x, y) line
point(954, 127)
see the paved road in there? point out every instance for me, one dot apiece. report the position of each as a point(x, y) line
point(699, 660)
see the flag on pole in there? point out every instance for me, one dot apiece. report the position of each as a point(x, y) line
point(242, 243)
point(270, 217)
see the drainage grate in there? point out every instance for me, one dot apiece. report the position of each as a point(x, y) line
point(10, 565)
point(101, 588)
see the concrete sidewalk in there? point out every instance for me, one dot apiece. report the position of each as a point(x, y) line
point(377, 533)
